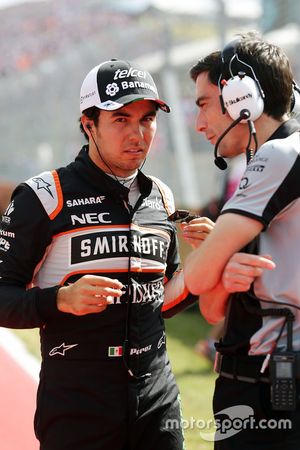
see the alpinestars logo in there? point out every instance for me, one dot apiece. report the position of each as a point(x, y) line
point(42, 184)
point(112, 89)
point(161, 341)
point(61, 350)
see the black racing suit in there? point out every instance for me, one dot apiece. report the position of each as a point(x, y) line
point(105, 380)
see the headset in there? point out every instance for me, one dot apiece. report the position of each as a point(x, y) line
point(242, 96)
point(240, 91)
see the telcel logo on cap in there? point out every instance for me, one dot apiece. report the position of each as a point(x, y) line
point(129, 73)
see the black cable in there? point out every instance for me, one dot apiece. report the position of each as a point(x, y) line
point(277, 312)
point(108, 166)
point(219, 161)
point(125, 346)
point(252, 133)
point(281, 331)
point(279, 303)
point(103, 160)
point(249, 151)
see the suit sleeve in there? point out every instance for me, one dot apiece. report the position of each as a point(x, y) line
point(25, 234)
point(177, 296)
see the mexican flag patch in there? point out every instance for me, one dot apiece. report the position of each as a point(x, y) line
point(115, 351)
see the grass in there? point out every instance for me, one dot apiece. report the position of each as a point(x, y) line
point(194, 374)
point(31, 340)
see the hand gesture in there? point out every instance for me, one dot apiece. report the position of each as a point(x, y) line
point(242, 269)
point(195, 231)
point(89, 294)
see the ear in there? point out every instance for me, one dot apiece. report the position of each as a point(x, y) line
point(87, 124)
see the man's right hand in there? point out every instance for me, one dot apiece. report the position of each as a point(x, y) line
point(89, 294)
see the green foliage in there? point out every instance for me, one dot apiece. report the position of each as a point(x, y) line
point(194, 375)
point(31, 340)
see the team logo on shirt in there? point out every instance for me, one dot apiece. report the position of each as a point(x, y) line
point(42, 184)
point(85, 201)
point(8, 234)
point(139, 351)
point(255, 168)
point(244, 183)
point(90, 218)
point(161, 341)
point(258, 164)
point(4, 245)
point(155, 204)
point(142, 293)
point(61, 350)
point(9, 210)
point(96, 246)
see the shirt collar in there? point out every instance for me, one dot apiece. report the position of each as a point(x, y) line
point(286, 129)
point(95, 176)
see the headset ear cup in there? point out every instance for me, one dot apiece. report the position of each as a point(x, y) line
point(242, 93)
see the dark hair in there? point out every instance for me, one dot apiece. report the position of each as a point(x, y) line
point(92, 113)
point(269, 63)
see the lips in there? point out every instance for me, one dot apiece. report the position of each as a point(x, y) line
point(134, 151)
point(210, 139)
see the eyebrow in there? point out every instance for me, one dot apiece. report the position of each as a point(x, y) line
point(117, 113)
point(200, 99)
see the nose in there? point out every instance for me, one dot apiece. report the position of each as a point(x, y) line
point(136, 132)
point(201, 122)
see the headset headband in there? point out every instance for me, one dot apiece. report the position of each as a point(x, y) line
point(229, 50)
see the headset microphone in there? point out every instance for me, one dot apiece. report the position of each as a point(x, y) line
point(219, 161)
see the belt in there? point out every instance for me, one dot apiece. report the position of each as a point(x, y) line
point(241, 368)
point(247, 368)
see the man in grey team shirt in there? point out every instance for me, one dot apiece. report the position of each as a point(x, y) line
point(254, 82)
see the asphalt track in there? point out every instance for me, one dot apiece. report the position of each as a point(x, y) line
point(17, 404)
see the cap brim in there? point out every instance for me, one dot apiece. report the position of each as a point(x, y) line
point(112, 106)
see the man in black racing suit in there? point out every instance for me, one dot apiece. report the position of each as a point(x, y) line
point(90, 259)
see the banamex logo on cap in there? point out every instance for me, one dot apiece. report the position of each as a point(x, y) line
point(112, 89)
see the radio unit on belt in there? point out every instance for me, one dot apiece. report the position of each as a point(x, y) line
point(284, 366)
point(283, 381)
point(283, 371)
